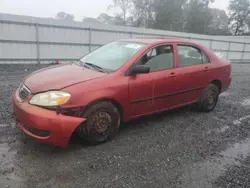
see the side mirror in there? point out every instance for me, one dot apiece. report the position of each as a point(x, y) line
point(140, 69)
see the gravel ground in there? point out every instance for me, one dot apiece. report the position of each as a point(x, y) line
point(236, 176)
point(181, 148)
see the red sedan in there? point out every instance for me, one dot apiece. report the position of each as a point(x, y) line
point(120, 81)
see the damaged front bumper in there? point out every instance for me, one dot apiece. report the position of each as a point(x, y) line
point(44, 125)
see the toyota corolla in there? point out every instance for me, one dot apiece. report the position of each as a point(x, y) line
point(120, 81)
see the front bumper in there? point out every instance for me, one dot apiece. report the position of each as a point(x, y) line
point(58, 128)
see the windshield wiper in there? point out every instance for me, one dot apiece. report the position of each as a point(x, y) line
point(96, 67)
point(81, 63)
point(78, 62)
point(93, 66)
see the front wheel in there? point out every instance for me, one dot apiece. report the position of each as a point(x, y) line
point(103, 121)
point(209, 98)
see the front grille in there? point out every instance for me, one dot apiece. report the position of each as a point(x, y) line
point(24, 92)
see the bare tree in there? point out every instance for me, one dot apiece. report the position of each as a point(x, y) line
point(169, 14)
point(239, 12)
point(107, 19)
point(177, 15)
point(124, 6)
point(143, 13)
point(197, 16)
point(219, 23)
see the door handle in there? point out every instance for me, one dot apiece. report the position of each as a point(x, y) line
point(172, 75)
point(206, 69)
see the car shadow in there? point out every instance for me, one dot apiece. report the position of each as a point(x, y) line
point(142, 122)
point(78, 144)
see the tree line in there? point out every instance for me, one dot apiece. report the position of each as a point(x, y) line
point(193, 16)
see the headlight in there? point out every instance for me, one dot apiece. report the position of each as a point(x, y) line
point(50, 98)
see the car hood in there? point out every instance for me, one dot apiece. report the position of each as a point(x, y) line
point(59, 77)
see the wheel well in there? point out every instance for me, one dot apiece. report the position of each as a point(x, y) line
point(115, 103)
point(112, 101)
point(217, 83)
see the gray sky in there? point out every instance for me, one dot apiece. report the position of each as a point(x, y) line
point(80, 8)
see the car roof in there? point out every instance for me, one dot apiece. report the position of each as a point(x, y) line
point(155, 40)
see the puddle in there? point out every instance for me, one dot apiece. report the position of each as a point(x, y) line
point(8, 176)
point(219, 130)
point(246, 102)
point(6, 158)
point(239, 121)
point(3, 149)
point(225, 94)
point(203, 174)
point(223, 129)
point(238, 151)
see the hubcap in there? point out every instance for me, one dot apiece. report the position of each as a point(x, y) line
point(210, 98)
point(100, 123)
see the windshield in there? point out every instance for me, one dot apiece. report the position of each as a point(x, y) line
point(113, 55)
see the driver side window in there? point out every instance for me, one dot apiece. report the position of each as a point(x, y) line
point(159, 58)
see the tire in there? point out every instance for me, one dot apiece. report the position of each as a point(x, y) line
point(209, 98)
point(103, 122)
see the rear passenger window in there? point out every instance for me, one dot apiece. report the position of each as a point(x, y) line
point(191, 56)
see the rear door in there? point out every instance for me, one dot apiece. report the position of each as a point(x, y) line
point(193, 72)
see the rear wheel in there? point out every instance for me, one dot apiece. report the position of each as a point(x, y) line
point(103, 121)
point(209, 98)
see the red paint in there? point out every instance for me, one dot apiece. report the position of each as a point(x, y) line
point(87, 87)
point(59, 76)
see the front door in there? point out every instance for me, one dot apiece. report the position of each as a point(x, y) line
point(152, 92)
point(140, 94)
